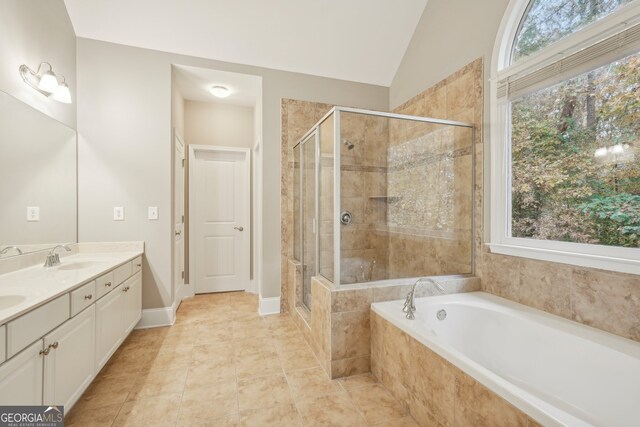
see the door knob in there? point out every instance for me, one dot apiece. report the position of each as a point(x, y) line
point(239, 228)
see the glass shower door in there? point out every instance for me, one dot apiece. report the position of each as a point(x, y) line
point(308, 196)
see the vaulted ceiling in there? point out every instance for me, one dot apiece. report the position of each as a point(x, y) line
point(357, 40)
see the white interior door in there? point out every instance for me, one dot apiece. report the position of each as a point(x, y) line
point(178, 227)
point(220, 205)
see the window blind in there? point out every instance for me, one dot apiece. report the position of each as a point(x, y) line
point(601, 53)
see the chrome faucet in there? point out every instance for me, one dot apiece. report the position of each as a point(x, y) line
point(53, 258)
point(409, 305)
point(8, 248)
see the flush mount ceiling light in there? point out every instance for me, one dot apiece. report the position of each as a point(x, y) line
point(46, 82)
point(220, 91)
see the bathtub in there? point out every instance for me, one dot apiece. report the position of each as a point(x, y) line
point(556, 371)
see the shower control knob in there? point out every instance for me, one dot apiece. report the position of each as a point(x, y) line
point(346, 217)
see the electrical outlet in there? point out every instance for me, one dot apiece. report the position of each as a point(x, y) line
point(153, 213)
point(118, 213)
point(33, 213)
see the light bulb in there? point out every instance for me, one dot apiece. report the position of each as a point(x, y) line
point(48, 82)
point(62, 94)
point(220, 91)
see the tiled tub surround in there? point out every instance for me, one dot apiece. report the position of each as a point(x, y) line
point(338, 328)
point(495, 362)
point(222, 364)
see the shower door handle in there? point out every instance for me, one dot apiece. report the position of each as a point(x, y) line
point(239, 228)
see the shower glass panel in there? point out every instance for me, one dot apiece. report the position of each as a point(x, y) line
point(408, 186)
point(326, 171)
point(308, 216)
point(296, 203)
point(393, 196)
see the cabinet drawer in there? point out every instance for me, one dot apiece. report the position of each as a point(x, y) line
point(104, 284)
point(121, 273)
point(136, 265)
point(32, 326)
point(3, 343)
point(83, 297)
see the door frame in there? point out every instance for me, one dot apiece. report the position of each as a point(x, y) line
point(247, 172)
point(256, 217)
point(185, 290)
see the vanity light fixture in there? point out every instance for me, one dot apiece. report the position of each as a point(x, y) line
point(220, 91)
point(62, 93)
point(46, 82)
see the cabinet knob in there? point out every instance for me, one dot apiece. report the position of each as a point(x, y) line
point(45, 351)
point(138, 265)
point(126, 289)
point(88, 296)
point(54, 345)
point(108, 284)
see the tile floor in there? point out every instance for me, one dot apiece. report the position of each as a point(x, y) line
point(223, 365)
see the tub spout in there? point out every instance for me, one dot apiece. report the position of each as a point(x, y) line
point(409, 302)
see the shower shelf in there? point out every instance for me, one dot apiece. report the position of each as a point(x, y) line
point(389, 199)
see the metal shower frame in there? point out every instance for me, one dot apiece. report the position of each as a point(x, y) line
point(336, 111)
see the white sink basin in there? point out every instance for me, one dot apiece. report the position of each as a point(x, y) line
point(77, 265)
point(8, 301)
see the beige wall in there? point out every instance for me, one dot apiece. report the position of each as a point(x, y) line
point(31, 32)
point(210, 123)
point(124, 122)
point(450, 34)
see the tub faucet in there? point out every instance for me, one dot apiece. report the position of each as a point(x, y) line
point(409, 306)
point(8, 248)
point(53, 258)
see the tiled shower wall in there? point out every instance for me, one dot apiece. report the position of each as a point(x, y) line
point(430, 225)
point(363, 190)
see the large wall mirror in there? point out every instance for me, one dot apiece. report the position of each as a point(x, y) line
point(38, 191)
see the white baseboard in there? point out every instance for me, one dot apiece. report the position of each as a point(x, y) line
point(155, 317)
point(269, 306)
point(165, 316)
point(184, 291)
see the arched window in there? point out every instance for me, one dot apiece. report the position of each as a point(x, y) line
point(565, 181)
point(547, 21)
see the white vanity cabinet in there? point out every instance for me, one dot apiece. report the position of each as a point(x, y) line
point(116, 315)
point(109, 325)
point(133, 302)
point(55, 350)
point(21, 377)
point(69, 365)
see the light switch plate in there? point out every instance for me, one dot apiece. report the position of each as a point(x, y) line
point(153, 213)
point(33, 213)
point(118, 213)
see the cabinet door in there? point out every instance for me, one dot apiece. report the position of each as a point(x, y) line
point(21, 377)
point(109, 325)
point(133, 295)
point(70, 365)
